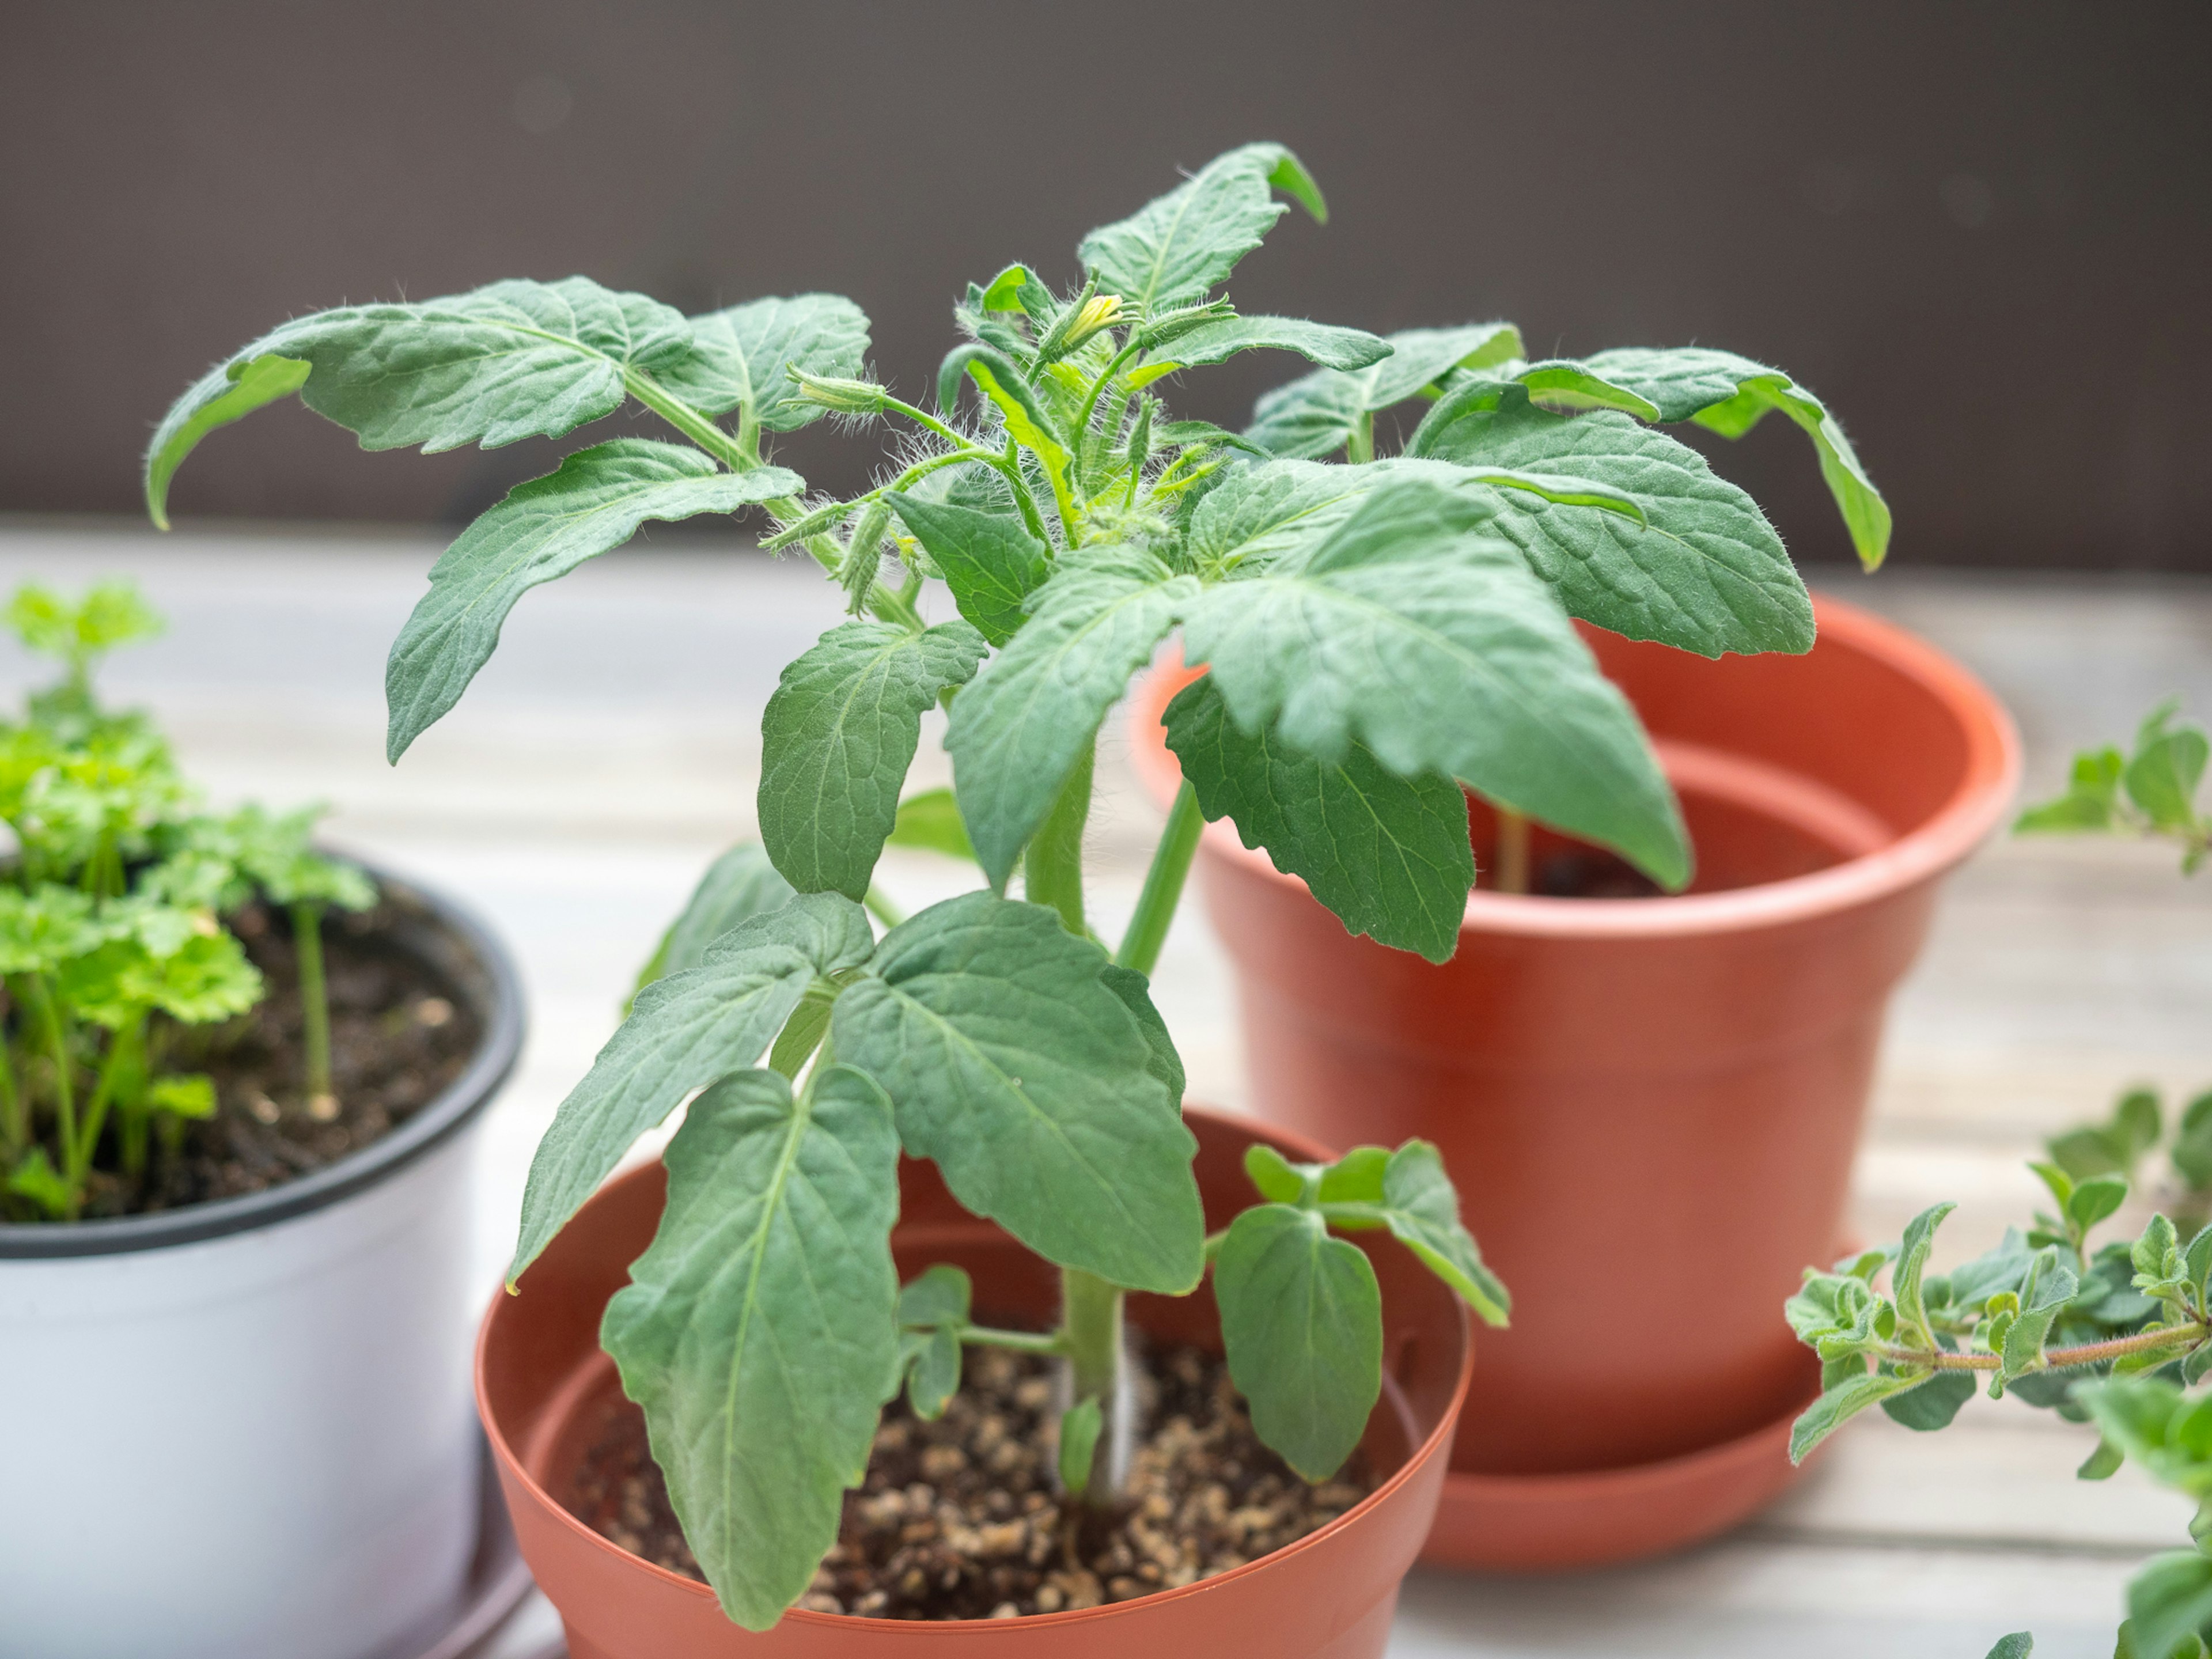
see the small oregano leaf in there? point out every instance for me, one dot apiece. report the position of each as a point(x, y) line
point(1934, 1403)
point(1911, 1265)
point(1389, 856)
point(758, 1330)
point(1013, 1063)
point(1302, 1323)
point(837, 738)
point(685, 1032)
point(2018, 1645)
point(1841, 1402)
point(2169, 1600)
point(593, 503)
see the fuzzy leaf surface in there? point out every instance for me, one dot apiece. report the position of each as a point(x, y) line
point(1314, 417)
point(1433, 646)
point(1388, 855)
point(758, 1330)
point(591, 504)
point(1729, 395)
point(1178, 245)
point(515, 360)
point(1319, 343)
point(1843, 1401)
point(684, 1032)
point(1013, 1064)
point(741, 356)
point(1706, 572)
point(1302, 1323)
point(836, 740)
point(1421, 1209)
point(738, 885)
point(1019, 728)
point(990, 561)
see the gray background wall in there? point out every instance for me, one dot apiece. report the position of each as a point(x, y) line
point(1982, 231)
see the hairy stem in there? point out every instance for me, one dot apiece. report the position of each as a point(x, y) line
point(1360, 448)
point(1511, 875)
point(1052, 868)
point(2057, 1359)
point(314, 995)
point(1156, 905)
point(1090, 1335)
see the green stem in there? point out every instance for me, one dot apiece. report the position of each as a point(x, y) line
point(1511, 875)
point(1091, 1336)
point(1052, 868)
point(1360, 448)
point(688, 422)
point(64, 1087)
point(1038, 1342)
point(2057, 1359)
point(120, 1045)
point(1162, 891)
point(15, 1121)
point(314, 995)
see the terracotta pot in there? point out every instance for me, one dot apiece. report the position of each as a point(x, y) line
point(540, 1373)
point(1643, 1101)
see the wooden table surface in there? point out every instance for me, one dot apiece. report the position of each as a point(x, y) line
point(611, 747)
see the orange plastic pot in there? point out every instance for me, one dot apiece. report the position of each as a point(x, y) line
point(540, 1373)
point(1650, 1106)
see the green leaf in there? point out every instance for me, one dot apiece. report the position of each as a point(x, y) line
point(228, 392)
point(1841, 1403)
point(758, 1330)
point(2169, 1600)
point(933, 1312)
point(2162, 775)
point(1004, 292)
point(1278, 1179)
point(837, 738)
point(1178, 245)
point(2095, 1199)
point(1703, 572)
point(2101, 1464)
point(1729, 395)
point(1080, 1427)
point(1319, 343)
point(1388, 855)
point(2049, 1287)
point(743, 356)
point(1421, 1209)
point(1934, 1403)
point(1302, 1321)
point(931, 818)
point(2192, 1146)
point(593, 502)
point(1314, 417)
point(1433, 646)
point(2091, 798)
point(1014, 1064)
point(516, 360)
point(686, 1032)
point(34, 1177)
point(738, 886)
point(2018, 1645)
point(79, 631)
point(1911, 1265)
point(990, 561)
point(1019, 728)
point(1135, 993)
point(1187, 434)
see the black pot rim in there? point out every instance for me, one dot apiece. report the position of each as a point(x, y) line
point(455, 1107)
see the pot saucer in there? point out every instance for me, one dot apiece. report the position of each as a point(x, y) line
point(1598, 1517)
point(498, 1584)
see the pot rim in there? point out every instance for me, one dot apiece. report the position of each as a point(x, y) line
point(1436, 1443)
point(1977, 803)
point(445, 1116)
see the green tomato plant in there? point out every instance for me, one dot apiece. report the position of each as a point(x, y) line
point(1382, 634)
point(2114, 1336)
point(112, 937)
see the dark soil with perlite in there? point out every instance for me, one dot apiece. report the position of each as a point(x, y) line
point(959, 1518)
point(399, 1034)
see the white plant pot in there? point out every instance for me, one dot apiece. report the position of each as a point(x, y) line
point(243, 1430)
